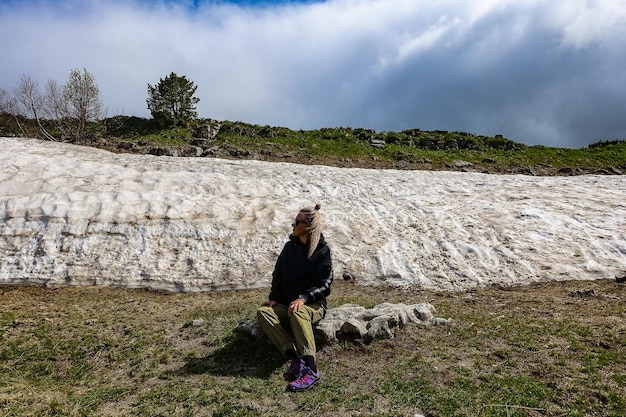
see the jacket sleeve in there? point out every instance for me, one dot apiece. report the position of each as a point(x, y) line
point(323, 277)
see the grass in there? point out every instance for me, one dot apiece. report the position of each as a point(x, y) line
point(415, 149)
point(349, 147)
point(534, 350)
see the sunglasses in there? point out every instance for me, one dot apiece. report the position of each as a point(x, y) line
point(297, 222)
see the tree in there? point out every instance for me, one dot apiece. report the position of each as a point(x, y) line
point(9, 105)
point(56, 107)
point(70, 107)
point(172, 101)
point(28, 101)
point(4, 101)
point(81, 100)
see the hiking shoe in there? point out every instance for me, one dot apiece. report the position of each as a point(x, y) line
point(306, 380)
point(294, 370)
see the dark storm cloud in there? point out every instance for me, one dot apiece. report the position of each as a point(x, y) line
point(539, 72)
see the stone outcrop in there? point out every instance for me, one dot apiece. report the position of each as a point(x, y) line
point(208, 131)
point(357, 323)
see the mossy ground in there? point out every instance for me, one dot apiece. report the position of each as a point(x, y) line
point(533, 350)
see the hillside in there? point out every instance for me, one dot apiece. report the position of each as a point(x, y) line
point(411, 149)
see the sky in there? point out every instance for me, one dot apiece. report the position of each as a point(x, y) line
point(540, 72)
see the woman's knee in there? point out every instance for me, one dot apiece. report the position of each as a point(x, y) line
point(301, 317)
point(263, 313)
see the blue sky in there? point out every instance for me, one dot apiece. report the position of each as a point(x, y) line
point(536, 71)
point(194, 4)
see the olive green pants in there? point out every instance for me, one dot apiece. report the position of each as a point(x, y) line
point(275, 322)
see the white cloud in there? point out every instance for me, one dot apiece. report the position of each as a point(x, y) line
point(421, 43)
point(588, 22)
point(486, 67)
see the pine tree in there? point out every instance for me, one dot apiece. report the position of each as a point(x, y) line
point(171, 102)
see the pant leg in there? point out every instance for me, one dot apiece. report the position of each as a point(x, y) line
point(302, 327)
point(270, 320)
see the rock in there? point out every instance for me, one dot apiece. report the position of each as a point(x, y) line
point(157, 151)
point(208, 131)
point(212, 151)
point(402, 164)
point(457, 163)
point(380, 328)
point(377, 142)
point(356, 323)
point(238, 153)
point(527, 171)
point(621, 279)
point(583, 293)
point(432, 143)
point(403, 156)
point(126, 146)
point(439, 321)
point(250, 327)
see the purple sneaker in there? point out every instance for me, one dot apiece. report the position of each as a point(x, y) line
point(306, 380)
point(294, 370)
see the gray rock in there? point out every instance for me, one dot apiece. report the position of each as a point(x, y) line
point(354, 322)
point(583, 293)
point(440, 321)
point(208, 131)
point(377, 142)
point(457, 163)
point(347, 276)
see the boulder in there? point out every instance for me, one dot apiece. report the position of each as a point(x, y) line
point(377, 142)
point(457, 163)
point(208, 131)
point(352, 322)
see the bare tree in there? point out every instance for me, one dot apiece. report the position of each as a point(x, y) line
point(8, 105)
point(70, 106)
point(4, 101)
point(28, 101)
point(55, 107)
point(82, 100)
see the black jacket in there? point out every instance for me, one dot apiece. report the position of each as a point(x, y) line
point(297, 276)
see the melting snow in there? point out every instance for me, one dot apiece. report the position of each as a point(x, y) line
point(75, 215)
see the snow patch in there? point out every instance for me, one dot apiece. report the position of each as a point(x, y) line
point(74, 215)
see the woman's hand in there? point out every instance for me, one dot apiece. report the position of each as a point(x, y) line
point(295, 305)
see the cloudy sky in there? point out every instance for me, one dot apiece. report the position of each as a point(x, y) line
point(537, 71)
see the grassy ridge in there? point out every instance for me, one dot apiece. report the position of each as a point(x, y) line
point(416, 149)
point(540, 350)
point(350, 147)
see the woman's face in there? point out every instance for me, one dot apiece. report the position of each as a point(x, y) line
point(299, 225)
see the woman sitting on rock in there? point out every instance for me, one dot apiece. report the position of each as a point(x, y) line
point(300, 284)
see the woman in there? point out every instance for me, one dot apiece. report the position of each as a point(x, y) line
point(297, 300)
